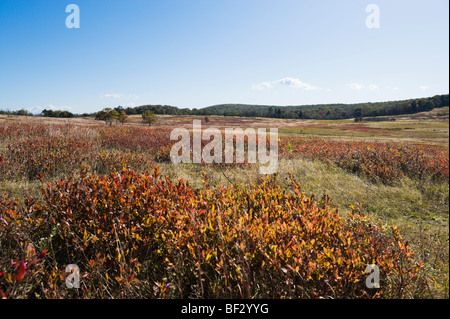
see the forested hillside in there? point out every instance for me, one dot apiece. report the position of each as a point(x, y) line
point(332, 111)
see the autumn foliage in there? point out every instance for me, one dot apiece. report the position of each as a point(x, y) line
point(144, 235)
point(37, 151)
point(378, 161)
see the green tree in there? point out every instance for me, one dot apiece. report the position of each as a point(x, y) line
point(114, 116)
point(107, 115)
point(358, 112)
point(122, 117)
point(148, 117)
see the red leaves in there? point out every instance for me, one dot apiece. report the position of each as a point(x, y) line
point(21, 268)
point(385, 162)
point(20, 271)
point(259, 235)
point(36, 260)
point(38, 153)
point(215, 235)
point(42, 255)
point(243, 238)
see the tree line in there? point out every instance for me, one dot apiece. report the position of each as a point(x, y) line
point(21, 112)
point(110, 115)
point(332, 111)
point(319, 111)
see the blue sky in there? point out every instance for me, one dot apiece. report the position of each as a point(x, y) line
point(196, 53)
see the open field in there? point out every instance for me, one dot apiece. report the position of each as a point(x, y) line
point(225, 231)
point(427, 127)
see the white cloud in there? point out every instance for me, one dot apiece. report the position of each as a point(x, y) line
point(356, 86)
point(359, 86)
point(287, 81)
point(116, 95)
point(262, 86)
point(395, 88)
point(113, 95)
point(424, 87)
point(296, 83)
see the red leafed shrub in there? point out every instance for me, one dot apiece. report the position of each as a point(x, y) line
point(110, 161)
point(134, 139)
point(40, 156)
point(144, 235)
point(40, 150)
point(385, 162)
point(16, 282)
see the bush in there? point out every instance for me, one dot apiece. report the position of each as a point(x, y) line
point(379, 162)
point(141, 235)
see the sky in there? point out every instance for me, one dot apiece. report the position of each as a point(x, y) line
point(197, 53)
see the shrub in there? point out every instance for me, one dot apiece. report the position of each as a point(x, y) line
point(380, 162)
point(42, 156)
point(143, 235)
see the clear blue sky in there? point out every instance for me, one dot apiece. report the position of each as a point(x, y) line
point(196, 53)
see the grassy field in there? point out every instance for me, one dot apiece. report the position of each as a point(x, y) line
point(413, 196)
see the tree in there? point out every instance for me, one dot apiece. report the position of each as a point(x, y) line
point(57, 113)
point(23, 112)
point(107, 115)
point(100, 115)
point(206, 120)
point(358, 112)
point(122, 117)
point(114, 116)
point(149, 117)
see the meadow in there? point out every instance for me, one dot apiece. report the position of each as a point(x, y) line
point(107, 198)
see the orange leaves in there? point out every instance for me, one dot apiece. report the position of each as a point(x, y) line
point(216, 242)
point(232, 242)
